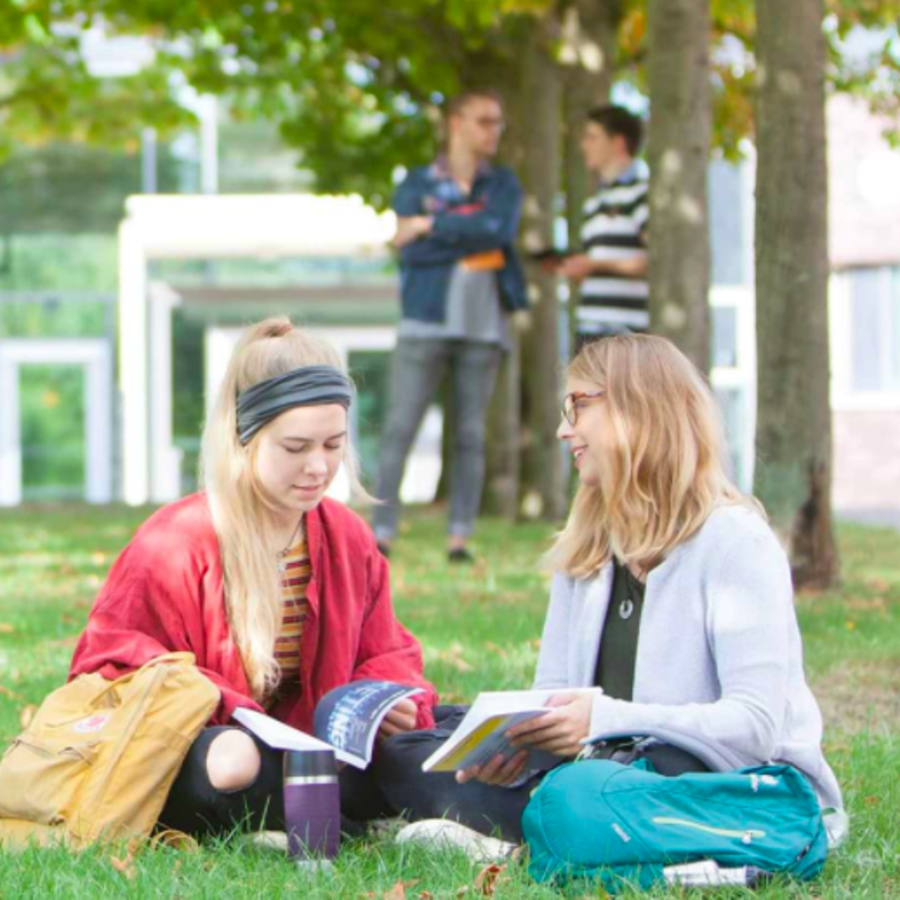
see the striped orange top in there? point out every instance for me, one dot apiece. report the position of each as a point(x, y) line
point(295, 568)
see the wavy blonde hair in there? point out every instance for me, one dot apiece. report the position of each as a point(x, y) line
point(663, 469)
point(242, 512)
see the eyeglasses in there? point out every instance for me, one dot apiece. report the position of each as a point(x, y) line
point(488, 122)
point(570, 403)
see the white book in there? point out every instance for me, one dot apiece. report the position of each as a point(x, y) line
point(276, 734)
point(346, 721)
point(482, 733)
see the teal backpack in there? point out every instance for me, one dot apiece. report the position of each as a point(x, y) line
point(623, 825)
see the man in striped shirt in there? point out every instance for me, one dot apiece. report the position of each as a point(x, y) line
point(612, 267)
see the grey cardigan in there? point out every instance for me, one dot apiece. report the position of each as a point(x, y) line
point(719, 663)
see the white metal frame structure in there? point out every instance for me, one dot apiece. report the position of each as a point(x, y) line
point(742, 376)
point(207, 227)
point(96, 357)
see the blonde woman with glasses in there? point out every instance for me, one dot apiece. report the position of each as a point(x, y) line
point(671, 608)
point(278, 591)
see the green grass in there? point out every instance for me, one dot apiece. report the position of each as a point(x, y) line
point(479, 627)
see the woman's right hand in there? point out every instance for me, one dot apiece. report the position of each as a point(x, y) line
point(499, 770)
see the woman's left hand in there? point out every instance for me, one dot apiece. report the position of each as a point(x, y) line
point(561, 729)
point(400, 717)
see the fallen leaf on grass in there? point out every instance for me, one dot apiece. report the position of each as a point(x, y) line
point(175, 839)
point(69, 641)
point(6, 628)
point(878, 584)
point(454, 656)
point(398, 891)
point(488, 879)
point(27, 715)
point(124, 865)
point(868, 604)
point(518, 855)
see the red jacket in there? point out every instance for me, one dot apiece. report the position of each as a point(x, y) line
point(165, 593)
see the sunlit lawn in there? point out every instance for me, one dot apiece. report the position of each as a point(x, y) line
point(480, 628)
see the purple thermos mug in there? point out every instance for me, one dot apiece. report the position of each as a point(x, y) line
point(312, 804)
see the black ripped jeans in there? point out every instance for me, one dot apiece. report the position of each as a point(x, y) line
point(196, 807)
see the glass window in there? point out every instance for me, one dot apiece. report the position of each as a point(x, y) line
point(52, 423)
point(370, 370)
point(724, 337)
point(874, 329)
point(894, 354)
point(866, 316)
point(731, 403)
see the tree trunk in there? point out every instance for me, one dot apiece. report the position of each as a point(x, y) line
point(501, 482)
point(589, 32)
point(540, 106)
point(497, 68)
point(678, 153)
point(793, 467)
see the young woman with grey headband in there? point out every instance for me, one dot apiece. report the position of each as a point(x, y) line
point(278, 591)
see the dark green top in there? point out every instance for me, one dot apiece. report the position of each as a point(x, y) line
point(618, 643)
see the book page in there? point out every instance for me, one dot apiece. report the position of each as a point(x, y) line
point(349, 717)
point(276, 734)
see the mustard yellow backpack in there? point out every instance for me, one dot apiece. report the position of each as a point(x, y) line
point(99, 757)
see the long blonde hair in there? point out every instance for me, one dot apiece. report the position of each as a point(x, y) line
point(242, 513)
point(662, 471)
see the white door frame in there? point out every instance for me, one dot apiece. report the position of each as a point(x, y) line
point(208, 227)
point(742, 377)
point(96, 357)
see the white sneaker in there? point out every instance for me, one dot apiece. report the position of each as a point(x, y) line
point(269, 840)
point(444, 834)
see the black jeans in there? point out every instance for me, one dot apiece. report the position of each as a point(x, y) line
point(394, 784)
point(487, 808)
point(490, 809)
point(196, 807)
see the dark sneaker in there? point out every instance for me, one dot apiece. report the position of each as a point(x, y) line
point(460, 555)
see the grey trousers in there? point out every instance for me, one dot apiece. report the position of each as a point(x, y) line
point(417, 368)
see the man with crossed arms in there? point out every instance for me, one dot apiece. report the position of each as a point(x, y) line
point(460, 279)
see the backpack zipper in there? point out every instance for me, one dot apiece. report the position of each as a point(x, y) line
point(746, 835)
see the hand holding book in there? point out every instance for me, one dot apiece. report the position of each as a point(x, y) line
point(399, 718)
point(546, 725)
point(559, 731)
point(500, 770)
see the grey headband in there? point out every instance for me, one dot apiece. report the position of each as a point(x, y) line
point(309, 386)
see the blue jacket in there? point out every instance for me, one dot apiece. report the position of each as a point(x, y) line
point(485, 219)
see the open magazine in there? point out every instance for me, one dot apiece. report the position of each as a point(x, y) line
point(346, 721)
point(482, 733)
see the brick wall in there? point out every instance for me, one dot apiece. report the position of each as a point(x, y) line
point(866, 460)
